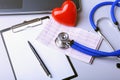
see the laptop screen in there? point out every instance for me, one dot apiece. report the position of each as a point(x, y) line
point(30, 6)
point(10, 4)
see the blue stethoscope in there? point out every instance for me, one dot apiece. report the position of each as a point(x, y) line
point(64, 42)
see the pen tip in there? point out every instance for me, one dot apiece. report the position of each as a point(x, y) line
point(50, 76)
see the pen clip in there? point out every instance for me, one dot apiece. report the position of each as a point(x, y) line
point(26, 24)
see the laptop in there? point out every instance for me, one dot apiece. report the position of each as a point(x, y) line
point(30, 6)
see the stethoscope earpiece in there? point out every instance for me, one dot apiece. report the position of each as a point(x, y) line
point(118, 65)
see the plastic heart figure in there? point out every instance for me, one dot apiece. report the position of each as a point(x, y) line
point(67, 14)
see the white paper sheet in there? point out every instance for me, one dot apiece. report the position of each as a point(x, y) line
point(51, 31)
point(26, 65)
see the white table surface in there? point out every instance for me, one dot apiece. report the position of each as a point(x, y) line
point(101, 69)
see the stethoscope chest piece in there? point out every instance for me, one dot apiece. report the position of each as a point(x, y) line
point(62, 40)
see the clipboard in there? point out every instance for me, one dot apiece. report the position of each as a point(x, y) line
point(23, 64)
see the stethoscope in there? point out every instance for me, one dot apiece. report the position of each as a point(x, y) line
point(64, 42)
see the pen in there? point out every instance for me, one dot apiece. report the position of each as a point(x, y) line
point(40, 60)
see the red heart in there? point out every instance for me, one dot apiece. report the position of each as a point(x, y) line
point(67, 14)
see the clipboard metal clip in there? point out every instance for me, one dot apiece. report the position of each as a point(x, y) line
point(26, 24)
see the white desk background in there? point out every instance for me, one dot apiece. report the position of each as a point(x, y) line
point(101, 69)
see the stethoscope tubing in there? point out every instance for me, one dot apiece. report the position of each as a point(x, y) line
point(93, 52)
point(91, 17)
point(113, 13)
point(82, 49)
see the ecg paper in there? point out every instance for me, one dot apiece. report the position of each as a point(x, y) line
point(51, 31)
point(26, 65)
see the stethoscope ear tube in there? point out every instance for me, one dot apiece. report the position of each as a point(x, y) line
point(113, 13)
point(93, 52)
point(91, 17)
